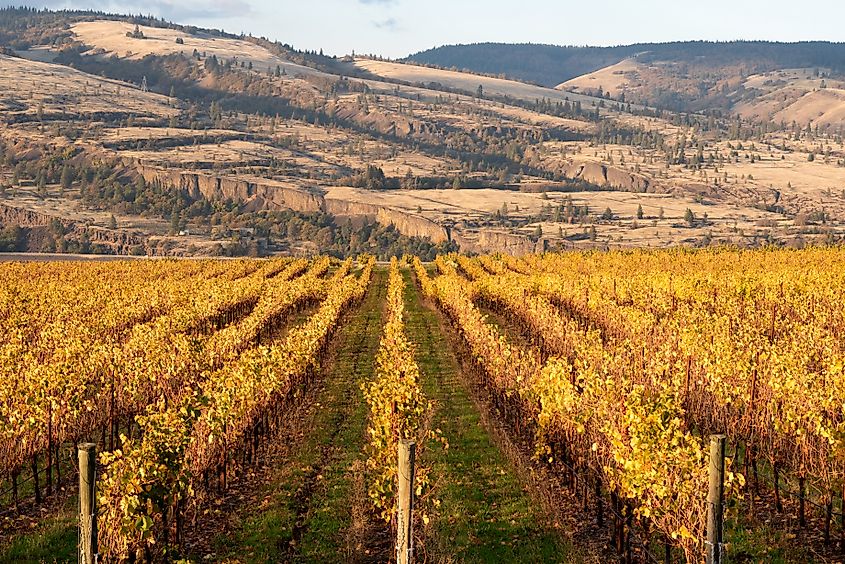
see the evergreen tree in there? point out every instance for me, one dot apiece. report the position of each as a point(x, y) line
point(67, 178)
point(175, 220)
point(689, 217)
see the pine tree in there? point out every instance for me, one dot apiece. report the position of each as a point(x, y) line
point(67, 178)
point(689, 217)
point(175, 220)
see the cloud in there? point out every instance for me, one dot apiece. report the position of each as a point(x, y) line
point(390, 24)
point(379, 2)
point(174, 10)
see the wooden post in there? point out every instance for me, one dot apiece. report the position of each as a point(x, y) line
point(111, 414)
point(842, 521)
point(802, 492)
point(405, 521)
point(629, 528)
point(828, 514)
point(58, 448)
point(614, 512)
point(756, 476)
point(87, 503)
point(715, 501)
point(599, 505)
point(15, 490)
point(35, 479)
point(49, 491)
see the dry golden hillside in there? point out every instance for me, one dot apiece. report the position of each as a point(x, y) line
point(31, 88)
point(465, 82)
point(616, 79)
point(110, 38)
point(363, 155)
point(795, 96)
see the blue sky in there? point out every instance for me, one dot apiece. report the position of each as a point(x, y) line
point(396, 28)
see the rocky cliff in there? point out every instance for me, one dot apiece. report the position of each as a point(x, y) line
point(606, 176)
point(258, 193)
point(41, 228)
point(488, 241)
point(405, 223)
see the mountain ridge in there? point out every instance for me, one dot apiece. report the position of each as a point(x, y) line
point(549, 65)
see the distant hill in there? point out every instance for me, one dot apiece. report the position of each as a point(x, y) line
point(546, 65)
point(681, 76)
point(550, 65)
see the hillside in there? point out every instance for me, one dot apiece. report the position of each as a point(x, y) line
point(147, 137)
point(680, 76)
point(110, 39)
point(465, 82)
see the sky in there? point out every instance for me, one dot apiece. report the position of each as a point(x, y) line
point(396, 28)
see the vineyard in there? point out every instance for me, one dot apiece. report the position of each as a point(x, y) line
point(561, 407)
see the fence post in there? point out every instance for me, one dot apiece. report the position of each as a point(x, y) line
point(87, 503)
point(715, 502)
point(405, 520)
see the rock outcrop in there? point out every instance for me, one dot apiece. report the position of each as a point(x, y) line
point(10, 215)
point(405, 223)
point(606, 176)
point(259, 193)
point(262, 193)
point(488, 241)
point(40, 227)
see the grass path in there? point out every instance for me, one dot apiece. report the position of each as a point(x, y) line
point(485, 514)
point(310, 508)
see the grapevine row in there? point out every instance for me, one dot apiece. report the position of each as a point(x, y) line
point(90, 382)
point(396, 404)
point(149, 483)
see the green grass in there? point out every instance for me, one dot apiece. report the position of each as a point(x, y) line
point(749, 540)
point(52, 540)
point(485, 514)
point(756, 543)
point(306, 511)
